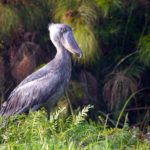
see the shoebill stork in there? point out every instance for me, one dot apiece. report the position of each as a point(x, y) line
point(44, 87)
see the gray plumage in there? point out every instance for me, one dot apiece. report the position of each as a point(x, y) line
point(44, 87)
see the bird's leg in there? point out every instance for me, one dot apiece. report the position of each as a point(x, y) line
point(48, 114)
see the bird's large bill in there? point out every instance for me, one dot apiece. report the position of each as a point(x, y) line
point(70, 44)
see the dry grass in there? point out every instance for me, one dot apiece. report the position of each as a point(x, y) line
point(117, 87)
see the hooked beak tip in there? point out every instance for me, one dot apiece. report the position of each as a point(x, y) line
point(79, 55)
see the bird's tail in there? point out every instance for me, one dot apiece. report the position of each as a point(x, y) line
point(2, 109)
point(2, 112)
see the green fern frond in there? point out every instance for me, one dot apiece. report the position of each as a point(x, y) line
point(57, 121)
point(56, 114)
point(82, 115)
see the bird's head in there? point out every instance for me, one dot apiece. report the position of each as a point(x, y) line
point(62, 34)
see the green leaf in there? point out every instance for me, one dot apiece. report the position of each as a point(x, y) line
point(144, 50)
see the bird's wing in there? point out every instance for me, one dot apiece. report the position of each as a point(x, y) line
point(35, 75)
point(29, 95)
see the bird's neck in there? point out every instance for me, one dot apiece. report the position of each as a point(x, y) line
point(62, 58)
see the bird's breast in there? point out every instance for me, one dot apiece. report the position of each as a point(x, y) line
point(62, 78)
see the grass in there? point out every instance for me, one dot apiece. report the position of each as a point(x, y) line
point(67, 133)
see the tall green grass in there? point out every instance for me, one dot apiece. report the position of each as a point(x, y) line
point(67, 133)
point(8, 20)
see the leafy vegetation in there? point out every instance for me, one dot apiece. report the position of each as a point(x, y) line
point(70, 132)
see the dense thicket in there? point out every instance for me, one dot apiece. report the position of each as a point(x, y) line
point(114, 36)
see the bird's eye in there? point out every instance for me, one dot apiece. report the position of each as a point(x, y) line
point(63, 30)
